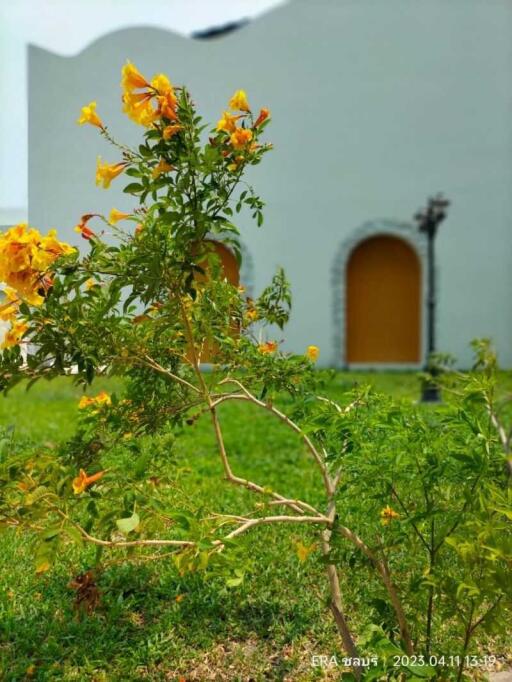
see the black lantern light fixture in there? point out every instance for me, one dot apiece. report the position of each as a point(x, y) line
point(428, 220)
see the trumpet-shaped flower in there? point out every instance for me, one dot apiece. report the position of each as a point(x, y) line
point(115, 216)
point(240, 137)
point(227, 123)
point(102, 398)
point(171, 130)
point(88, 115)
point(132, 79)
point(268, 348)
point(105, 172)
point(85, 231)
point(138, 107)
point(161, 84)
point(161, 167)
point(167, 105)
point(239, 101)
point(263, 115)
point(14, 335)
point(83, 481)
point(9, 308)
point(25, 257)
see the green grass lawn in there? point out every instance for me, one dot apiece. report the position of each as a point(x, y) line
point(265, 629)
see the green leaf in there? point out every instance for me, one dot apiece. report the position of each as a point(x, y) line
point(133, 188)
point(129, 524)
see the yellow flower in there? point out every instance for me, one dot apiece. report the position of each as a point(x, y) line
point(115, 216)
point(252, 315)
point(102, 398)
point(88, 115)
point(162, 84)
point(171, 130)
point(268, 347)
point(227, 122)
point(304, 551)
point(241, 137)
point(138, 107)
point(90, 283)
point(105, 172)
point(312, 353)
point(25, 256)
point(387, 515)
point(239, 101)
point(14, 335)
point(9, 309)
point(132, 79)
point(83, 481)
point(162, 167)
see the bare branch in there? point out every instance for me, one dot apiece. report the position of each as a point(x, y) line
point(286, 420)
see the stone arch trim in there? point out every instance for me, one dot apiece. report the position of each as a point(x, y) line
point(409, 233)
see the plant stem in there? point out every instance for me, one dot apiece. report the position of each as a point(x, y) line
point(430, 607)
point(467, 637)
point(336, 604)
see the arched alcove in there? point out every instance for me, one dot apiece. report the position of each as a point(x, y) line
point(228, 262)
point(234, 274)
point(383, 302)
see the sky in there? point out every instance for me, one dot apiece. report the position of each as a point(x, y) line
point(67, 27)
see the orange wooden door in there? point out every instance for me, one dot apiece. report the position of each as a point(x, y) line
point(383, 312)
point(227, 262)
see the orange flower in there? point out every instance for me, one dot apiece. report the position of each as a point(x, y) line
point(387, 515)
point(170, 131)
point(240, 137)
point(162, 167)
point(83, 481)
point(85, 231)
point(82, 227)
point(132, 79)
point(167, 105)
point(268, 347)
point(264, 114)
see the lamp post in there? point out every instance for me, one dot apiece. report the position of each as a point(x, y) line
point(428, 220)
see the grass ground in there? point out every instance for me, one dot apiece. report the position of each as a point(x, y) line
point(153, 624)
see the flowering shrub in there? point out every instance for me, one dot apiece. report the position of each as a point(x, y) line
point(405, 492)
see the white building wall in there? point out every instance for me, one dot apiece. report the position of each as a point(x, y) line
point(375, 106)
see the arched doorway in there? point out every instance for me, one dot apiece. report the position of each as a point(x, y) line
point(228, 262)
point(383, 310)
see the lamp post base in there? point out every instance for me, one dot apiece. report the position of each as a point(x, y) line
point(430, 392)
